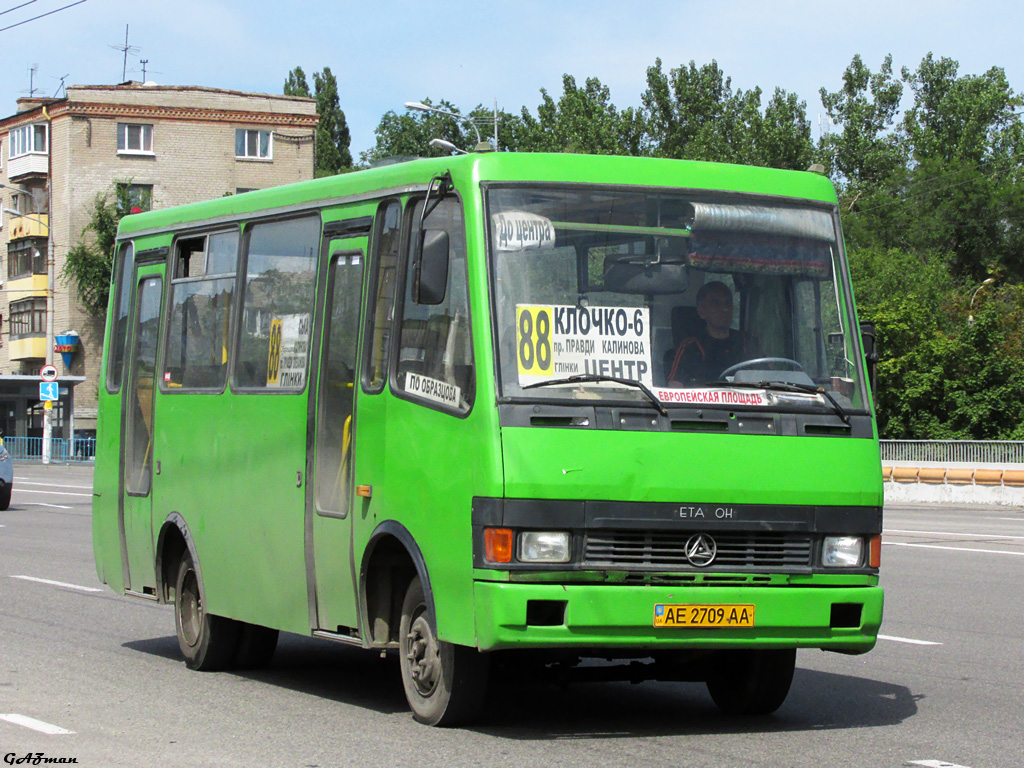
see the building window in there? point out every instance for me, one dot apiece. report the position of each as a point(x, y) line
point(251, 144)
point(28, 139)
point(28, 318)
point(26, 257)
point(134, 198)
point(134, 138)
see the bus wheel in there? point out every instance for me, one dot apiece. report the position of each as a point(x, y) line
point(207, 642)
point(753, 682)
point(256, 646)
point(444, 683)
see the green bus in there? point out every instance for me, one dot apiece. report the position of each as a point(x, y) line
point(606, 416)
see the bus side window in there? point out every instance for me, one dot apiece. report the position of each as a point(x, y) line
point(202, 291)
point(119, 332)
point(387, 235)
point(435, 356)
point(277, 304)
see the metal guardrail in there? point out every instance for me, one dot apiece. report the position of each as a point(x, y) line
point(959, 451)
point(80, 449)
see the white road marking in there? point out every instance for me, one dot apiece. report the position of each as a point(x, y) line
point(41, 504)
point(935, 764)
point(51, 485)
point(907, 640)
point(58, 583)
point(951, 533)
point(36, 725)
point(953, 549)
point(54, 493)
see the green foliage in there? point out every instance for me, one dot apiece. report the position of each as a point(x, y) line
point(693, 113)
point(332, 134)
point(331, 153)
point(866, 152)
point(583, 120)
point(409, 134)
point(296, 85)
point(89, 263)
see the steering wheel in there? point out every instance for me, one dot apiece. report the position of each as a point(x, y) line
point(760, 361)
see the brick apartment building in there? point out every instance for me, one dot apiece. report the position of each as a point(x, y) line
point(171, 145)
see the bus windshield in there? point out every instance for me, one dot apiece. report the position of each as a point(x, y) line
point(702, 299)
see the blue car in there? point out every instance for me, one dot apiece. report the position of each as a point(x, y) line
point(6, 476)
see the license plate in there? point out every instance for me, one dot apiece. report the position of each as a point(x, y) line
point(703, 616)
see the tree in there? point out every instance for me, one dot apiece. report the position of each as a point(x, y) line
point(88, 264)
point(693, 113)
point(296, 84)
point(583, 120)
point(965, 138)
point(409, 134)
point(868, 152)
point(332, 135)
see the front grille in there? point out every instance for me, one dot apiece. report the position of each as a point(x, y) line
point(736, 551)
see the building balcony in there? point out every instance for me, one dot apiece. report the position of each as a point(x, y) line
point(28, 287)
point(28, 348)
point(26, 165)
point(30, 225)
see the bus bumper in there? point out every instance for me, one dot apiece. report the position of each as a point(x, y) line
point(606, 616)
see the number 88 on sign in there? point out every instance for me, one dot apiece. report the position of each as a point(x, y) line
point(533, 340)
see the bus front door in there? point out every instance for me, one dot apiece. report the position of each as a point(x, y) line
point(332, 577)
point(137, 414)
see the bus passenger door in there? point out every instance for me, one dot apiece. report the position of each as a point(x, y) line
point(329, 495)
point(137, 429)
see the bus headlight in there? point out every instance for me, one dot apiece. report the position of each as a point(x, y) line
point(543, 547)
point(842, 551)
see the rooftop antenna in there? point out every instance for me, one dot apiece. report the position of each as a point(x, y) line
point(126, 49)
point(144, 62)
point(32, 81)
point(61, 89)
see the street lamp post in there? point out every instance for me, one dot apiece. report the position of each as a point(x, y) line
point(984, 284)
point(481, 146)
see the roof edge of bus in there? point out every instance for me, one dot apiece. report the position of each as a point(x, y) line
point(494, 166)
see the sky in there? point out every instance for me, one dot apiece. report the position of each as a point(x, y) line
point(387, 52)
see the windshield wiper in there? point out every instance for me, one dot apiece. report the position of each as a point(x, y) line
point(591, 377)
point(788, 386)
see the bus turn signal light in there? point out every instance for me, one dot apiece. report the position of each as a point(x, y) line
point(875, 552)
point(498, 545)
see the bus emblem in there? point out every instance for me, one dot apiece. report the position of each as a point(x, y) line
point(701, 550)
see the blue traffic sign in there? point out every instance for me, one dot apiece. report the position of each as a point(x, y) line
point(49, 390)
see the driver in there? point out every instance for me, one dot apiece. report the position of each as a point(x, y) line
point(701, 358)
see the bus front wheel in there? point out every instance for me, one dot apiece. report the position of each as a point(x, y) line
point(444, 683)
point(207, 642)
point(751, 682)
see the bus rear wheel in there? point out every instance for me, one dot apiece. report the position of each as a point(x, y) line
point(444, 683)
point(207, 642)
point(752, 682)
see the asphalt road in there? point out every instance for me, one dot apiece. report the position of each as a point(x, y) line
point(944, 686)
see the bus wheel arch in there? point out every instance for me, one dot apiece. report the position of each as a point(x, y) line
point(390, 562)
point(206, 642)
point(173, 542)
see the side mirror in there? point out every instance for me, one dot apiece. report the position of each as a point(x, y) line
point(430, 274)
point(869, 343)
